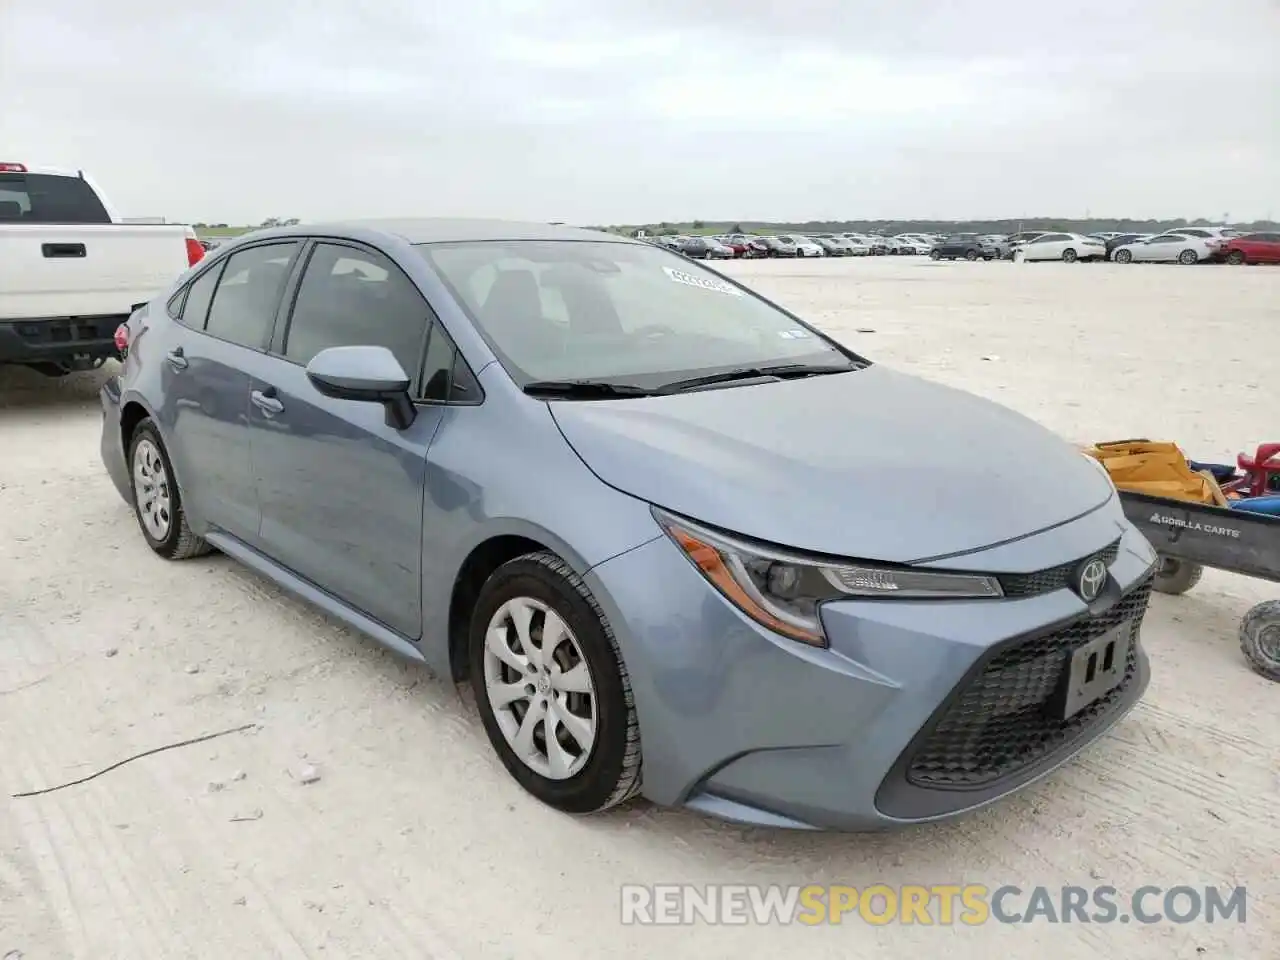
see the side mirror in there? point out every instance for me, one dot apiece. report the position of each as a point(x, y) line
point(364, 374)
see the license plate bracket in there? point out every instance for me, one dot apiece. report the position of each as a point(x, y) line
point(1095, 669)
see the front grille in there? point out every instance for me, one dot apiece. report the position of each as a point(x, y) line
point(1055, 578)
point(1003, 720)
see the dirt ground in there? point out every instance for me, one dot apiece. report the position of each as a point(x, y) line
point(415, 843)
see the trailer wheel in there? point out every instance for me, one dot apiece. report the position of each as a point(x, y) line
point(1177, 576)
point(1260, 639)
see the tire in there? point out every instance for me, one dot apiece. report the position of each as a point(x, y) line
point(1188, 257)
point(608, 771)
point(1260, 639)
point(934, 255)
point(1236, 258)
point(1069, 255)
point(971, 255)
point(1176, 577)
point(1123, 256)
point(165, 528)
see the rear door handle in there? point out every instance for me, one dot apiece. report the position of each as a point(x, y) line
point(176, 359)
point(266, 401)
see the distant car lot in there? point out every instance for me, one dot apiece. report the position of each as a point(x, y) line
point(1186, 246)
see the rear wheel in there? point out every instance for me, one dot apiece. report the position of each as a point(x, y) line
point(1069, 255)
point(1260, 638)
point(971, 255)
point(1236, 257)
point(935, 255)
point(1188, 257)
point(551, 686)
point(157, 502)
point(1177, 576)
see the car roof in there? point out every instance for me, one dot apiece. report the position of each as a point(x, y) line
point(449, 230)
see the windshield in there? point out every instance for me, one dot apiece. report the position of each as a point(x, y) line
point(617, 312)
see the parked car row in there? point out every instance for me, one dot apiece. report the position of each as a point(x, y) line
point(1188, 245)
point(741, 245)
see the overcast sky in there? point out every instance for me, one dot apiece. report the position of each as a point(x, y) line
point(619, 111)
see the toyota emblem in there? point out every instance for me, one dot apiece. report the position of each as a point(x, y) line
point(1092, 576)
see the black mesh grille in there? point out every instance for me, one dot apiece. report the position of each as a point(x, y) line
point(1004, 719)
point(1055, 578)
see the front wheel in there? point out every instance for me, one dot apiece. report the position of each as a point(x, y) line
point(553, 691)
point(1260, 638)
point(1069, 255)
point(157, 502)
point(971, 255)
point(935, 255)
point(1188, 257)
point(1123, 256)
point(1236, 257)
point(1176, 576)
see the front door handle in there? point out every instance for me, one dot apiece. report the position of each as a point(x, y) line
point(265, 401)
point(176, 359)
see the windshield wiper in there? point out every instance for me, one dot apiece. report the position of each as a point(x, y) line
point(586, 389)
point(786, 371)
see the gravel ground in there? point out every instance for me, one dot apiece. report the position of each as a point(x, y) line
point(413, 842)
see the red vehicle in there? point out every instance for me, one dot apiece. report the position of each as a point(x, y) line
point(1252, 248)
point(744, 246)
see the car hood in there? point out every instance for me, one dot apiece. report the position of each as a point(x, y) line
point(872, 464)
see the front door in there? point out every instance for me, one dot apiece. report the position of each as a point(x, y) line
point(341, 492)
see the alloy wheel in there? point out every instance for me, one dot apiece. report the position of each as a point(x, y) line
point(540, 688)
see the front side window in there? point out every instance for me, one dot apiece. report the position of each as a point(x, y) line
point(248, 295)
point(353, 297)
point(617, 312)
point(445, 374)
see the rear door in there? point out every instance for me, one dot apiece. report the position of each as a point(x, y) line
point(341, 491)
point(224, 325)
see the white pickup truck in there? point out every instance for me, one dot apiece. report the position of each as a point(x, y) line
point(71, 272)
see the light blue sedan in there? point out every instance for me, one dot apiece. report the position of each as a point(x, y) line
point(680, 543)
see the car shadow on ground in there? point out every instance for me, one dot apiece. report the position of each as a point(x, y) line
point(24, 392)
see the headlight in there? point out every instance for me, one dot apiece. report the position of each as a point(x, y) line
point(783, 591)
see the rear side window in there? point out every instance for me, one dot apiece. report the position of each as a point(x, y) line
point(353, 297)
point(47, 198)
point(248, 294)
point(199, 295)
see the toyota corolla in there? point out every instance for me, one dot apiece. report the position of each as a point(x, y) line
point(678, 541)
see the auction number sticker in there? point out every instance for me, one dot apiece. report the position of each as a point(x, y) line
point(719, 286)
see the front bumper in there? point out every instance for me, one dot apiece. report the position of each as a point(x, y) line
point(745, 725)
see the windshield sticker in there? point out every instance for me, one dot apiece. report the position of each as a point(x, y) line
point(797, 334)
point(719, 286)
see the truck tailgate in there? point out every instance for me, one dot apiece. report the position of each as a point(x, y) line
point(76, 270)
